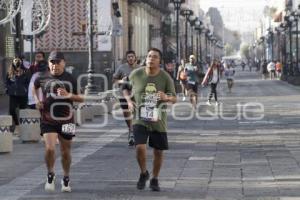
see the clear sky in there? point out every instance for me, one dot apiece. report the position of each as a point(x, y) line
point(241, 15)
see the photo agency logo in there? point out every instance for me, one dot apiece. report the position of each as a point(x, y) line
point(181, 111)
point(184, 111)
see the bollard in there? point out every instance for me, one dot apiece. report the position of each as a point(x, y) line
point(6, 139)
point(30, 125)
point(88, 113)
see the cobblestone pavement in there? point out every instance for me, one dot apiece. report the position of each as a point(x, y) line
point(250, 150)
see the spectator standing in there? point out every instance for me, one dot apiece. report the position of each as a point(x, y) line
point(17, 81)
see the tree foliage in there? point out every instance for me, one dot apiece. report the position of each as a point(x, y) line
point(229, 50)
point(244, 51)
point(269, 11)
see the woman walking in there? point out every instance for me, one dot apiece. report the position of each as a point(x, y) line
point(229, 74)
point(212, 77)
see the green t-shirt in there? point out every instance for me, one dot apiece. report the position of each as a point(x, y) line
point(150, 111)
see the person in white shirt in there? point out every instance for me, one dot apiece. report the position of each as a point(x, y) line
point(229, 75)
point(271, 69)
point(42, 68)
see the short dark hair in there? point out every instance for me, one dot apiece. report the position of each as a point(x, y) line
point(130, 52)
point(157, 50)
point(41, 52)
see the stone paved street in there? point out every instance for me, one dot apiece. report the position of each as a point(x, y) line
point(250, 150)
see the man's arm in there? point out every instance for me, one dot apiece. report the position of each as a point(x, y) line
point(169, 95)
point(117, 76)
point(74, 97)
point(167, 98)
point(38, 102)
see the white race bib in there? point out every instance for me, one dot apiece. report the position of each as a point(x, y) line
point(68, 129)
point(149, 114)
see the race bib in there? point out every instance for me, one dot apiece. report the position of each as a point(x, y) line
point(149, 114)
point(68, 129)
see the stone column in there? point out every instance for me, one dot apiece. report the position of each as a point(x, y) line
point(6, 139)
point(30, 125)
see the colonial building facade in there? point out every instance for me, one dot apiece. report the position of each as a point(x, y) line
point(138, 28)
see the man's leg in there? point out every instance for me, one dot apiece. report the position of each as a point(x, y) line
point(157, 162)
point(159, 142)
point(128, 118)
point(50, 141)
point(141, 156)
point(141, 137)
point(66, 159)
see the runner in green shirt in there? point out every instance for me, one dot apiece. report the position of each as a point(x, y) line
point(152, 89)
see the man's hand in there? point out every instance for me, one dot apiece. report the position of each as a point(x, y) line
point(131, 105)
point(62, 92)
point(162, 96)
point(39, 105)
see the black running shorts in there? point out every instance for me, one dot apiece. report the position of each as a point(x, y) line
point(157, 140)
point(123, 103)
point(48, 128)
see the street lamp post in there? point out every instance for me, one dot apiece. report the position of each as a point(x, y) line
point(278, 43)
point(192, 24)
point(262, 42)
point(270, 41)
point(214, 43)
point(291, 47)
point(210, 46)
point(283, 27)
point(90, 87)
point(186, 13)
point(296, 15)
point(199, 28)
point(207, 46)
point(177, 5)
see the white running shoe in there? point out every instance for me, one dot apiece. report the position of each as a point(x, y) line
point(208, 103)
point(183, 98)
point(50, 186)
point(217, 103)
point(64, 187)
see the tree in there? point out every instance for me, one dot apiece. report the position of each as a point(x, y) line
point(229, 50)
point(269, 11)
point(244, 51)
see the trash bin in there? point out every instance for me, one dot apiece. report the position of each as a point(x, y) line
point(6, 139)
point(30, 125)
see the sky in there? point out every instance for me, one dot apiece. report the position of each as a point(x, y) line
point(240, 15)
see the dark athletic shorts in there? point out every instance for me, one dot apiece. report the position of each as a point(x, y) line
point(192, 87)
point(48, 128)
point(123, 103)
point(157, 140)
